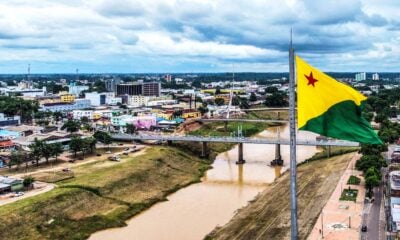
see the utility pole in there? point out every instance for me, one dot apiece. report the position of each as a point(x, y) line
point(293, 161)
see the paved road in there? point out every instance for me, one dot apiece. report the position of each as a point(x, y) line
point(375, 228)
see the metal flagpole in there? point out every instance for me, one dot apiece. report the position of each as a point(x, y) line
point(293, 163)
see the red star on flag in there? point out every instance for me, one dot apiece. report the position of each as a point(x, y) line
point(311, 79)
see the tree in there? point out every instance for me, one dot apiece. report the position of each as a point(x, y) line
point(372, 179)
point(367, 161)
point(75, 145)
point(217, 90)
point(28, 181)
point(71, 126)
point(56, 149)
point(91, 142)
point(271, 90)
point(177, 113)
point(276, 100)
point(16, 158)
point(36, 150)
point(219, 101)
point(103, 137)
point(202, 110)
point(130, 128)
point(46, 151)
point(57, 116)
point(253, 97)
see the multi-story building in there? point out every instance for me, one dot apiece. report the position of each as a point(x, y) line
point(361, 76)
point(68, 98)
point(139, 88)
point(111, 84)
point(9, 120)
point(26, 92)
point(76, 90)
point(96, 99)
point(375, 76)
point(66, 107)
point(79, 114)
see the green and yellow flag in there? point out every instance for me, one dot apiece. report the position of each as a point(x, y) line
point(329, 107)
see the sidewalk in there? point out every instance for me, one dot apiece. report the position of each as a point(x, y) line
point(341, 219)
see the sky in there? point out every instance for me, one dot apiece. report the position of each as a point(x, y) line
point(139, 36)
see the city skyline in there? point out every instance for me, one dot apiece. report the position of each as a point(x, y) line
point(196, 36)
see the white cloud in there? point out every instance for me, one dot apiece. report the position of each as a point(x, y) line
point(253, 34)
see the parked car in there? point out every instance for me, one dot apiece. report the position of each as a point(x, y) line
point(114, 158)
point(363, 228)
point(66, 169)
point(18, 194)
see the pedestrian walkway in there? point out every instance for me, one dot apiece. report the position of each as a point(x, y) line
point(341, 219)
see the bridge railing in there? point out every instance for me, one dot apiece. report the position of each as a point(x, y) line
point(191, 138)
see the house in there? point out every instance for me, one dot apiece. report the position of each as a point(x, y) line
point(11, 184)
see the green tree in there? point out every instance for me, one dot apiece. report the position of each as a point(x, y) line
point(271, 90)
point(177, 113)
point(367, 161)
point(91, 141)
point(56, 149)
point(103, 137)
point(71, 126)
point(217, 90)
point(46, 151)
point(219, 101)
point(28, 181)
point(75, 145)
point(36, 150)
point(57, 116)
point(372, 179)
point(277, 99)
point(253, 97)
point(16, 158)
point(130, 128)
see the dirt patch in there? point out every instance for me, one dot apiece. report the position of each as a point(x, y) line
point(268, 216)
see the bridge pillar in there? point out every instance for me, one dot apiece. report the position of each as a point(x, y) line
point(278, 158)
point(329, 151)
point(240, 155)
point(169, 142)
point(279, 115)
point(204, 150)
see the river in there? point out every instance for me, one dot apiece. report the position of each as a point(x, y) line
point(194, 211)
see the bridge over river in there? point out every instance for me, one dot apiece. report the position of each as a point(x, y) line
point(232, 139)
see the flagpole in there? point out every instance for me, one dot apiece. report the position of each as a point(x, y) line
point(293, 162)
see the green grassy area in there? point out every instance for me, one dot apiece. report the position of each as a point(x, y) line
point(102, 194)
point(52, 176)
point(349, 195)
point(353, 180)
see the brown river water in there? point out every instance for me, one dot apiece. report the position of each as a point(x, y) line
point(194, 211)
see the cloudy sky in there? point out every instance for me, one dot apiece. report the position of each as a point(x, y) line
point(197, 35)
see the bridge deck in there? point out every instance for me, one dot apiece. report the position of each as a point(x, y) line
point(241, 120)
point(188, 138)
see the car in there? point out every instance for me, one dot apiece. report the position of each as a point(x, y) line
point(98, 154)
point(126, 149)
point(114, 158)
point(120, 144)
point(125, 153)
point(66, 169)
point(363, 228)
point(19, 194)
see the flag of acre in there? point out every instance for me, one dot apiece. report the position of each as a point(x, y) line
point(329, 107)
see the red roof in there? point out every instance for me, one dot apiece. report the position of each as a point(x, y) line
point(6, 143)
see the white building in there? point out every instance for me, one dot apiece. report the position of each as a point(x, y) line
point(95, 98)
point(26, 92)
point(361, 76)
point(375, 76)
point(9, 120)
point(66, 107)
point(78, 114)
point(76, 90)
point(113, 100)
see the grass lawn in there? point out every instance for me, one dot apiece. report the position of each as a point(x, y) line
point(353, 180)
point(349, 195)
point(102, 194)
